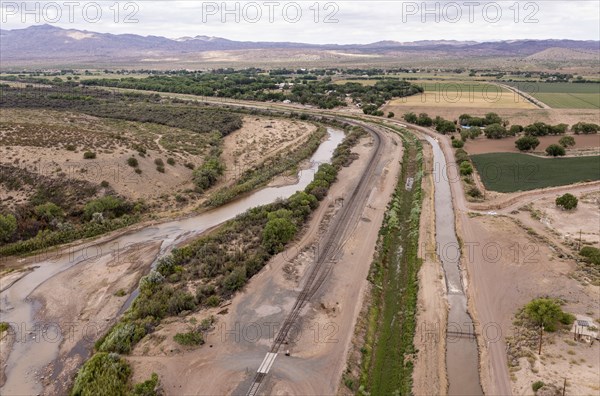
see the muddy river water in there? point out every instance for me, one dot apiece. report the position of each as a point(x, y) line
point(30, 354)
point(462, 360)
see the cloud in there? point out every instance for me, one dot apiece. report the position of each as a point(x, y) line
point(319, 21)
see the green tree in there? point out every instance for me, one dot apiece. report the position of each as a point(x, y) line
point(424, 120)
point(495, 131)
point(515, 130)
point(527, 143)
point(555, 150)
point(8, 226)
point(475, 132)
point(585, 128)
point(492, 118)
point(445, 126)
point(567, 201)
point(567, 141)
point(391, 114)
point(410, 117)
point(544, 311)
point(277, 232)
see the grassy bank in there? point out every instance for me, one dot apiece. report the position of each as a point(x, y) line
point(509, 172)
point(214, 266)
point(386, 366)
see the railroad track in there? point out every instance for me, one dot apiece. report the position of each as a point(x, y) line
point(325, 258)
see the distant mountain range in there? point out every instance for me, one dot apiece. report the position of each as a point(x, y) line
point(37, 44)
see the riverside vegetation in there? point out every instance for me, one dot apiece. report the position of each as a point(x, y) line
point(386, 364)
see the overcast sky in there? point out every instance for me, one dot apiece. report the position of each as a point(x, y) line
point(320, 22)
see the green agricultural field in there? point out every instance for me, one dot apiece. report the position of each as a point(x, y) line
point(509, 172)
point(563, 95)
point(570, 101)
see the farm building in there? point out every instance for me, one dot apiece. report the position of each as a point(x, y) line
point(584, 329)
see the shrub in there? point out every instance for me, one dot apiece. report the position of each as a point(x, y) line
point(590, 254)
point(4, 326)
point(461, 156)
point(48, 211)
point(208, 174)
point(8, 226)
point(213, 301)
point(160, 169)
point(148, 387)
point(171, 161)
point(466, 169)
point(159, 162)
point(567, 318)
point(138, 171)
point(71, 147)
point(458, 143)
point(89, 155)
point(133, 162)
point(189, 165)
point(189, 338)
point(391, 114)
point(109, 206)
point(567, 201)
point(537, 385)
point(474, 192)
point(121, 338)
point(103, 374)
point(555, 150)
point(235, 280)
point(104, 183)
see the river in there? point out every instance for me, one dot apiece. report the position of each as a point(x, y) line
point(30, 354)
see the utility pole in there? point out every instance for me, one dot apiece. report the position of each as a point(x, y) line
point(579, 244)
point(564, 386)
point(541, 335)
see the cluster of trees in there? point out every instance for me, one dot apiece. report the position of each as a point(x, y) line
point(585, 128)
point(250, 84)
point(530, 143)
point(488, 119)
point(543, 129)
point(423, 119)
